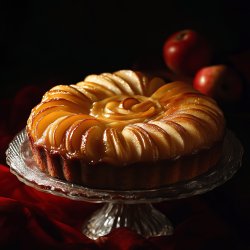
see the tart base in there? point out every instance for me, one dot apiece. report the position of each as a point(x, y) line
point(138, 176)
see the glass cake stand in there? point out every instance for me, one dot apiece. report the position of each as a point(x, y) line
point(132, 209)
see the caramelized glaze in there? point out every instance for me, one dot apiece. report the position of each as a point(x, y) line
point(124, 118)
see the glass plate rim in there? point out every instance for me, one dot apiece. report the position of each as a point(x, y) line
point(227, 167)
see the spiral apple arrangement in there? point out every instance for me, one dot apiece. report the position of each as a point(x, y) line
point(188, 53)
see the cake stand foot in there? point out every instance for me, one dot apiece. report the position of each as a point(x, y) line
point(144, 219)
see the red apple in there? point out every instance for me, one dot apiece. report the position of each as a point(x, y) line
point(220, 82)
point(186, 51)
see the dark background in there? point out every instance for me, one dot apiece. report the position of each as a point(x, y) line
point(62, 41)
point(55, 42)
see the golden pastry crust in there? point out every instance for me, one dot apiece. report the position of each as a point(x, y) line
point(125, 118)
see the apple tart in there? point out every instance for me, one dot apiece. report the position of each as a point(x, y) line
point(125, 130)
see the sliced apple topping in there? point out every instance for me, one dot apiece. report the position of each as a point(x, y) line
point(116, 149)
point(177, 135)
point(125, 117)
point(141, 145)
point(160, 137)
point(207, 118)
point(93, 91)
point(64, 95)
point(171, 89)
point(119, 82)
point(62, 126)
point(198, 100)
point(76, 132)
point(125, 109)
point(111, 107)
point(128, 103)
point(150, 149)
point(154, 84)
point(91, 144)
point(46, 120)
point(143, 106)
point(133, 79)
point(99, 80)
point(72, 90)
point(194, 135)
point(42, 112)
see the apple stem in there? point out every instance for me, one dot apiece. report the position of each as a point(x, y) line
point(181, 35)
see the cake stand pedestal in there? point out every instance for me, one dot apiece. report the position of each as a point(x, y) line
point(142, 218)
point(132, 209)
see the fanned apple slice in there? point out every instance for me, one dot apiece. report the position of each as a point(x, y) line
point(134, 144)
point(75, 134)
point(196, 132)
point(133, 116)
point(55, 94)
point(177, 135)
point(128, 103)
point(141, 145)
point(204, 116)
point(150, 150)
point(144, 80)
point(123, 85)
point(93, 91)
point(36, 116)
point(133, 79)
point(69, 92)
point(98, 79)
point(62, 126)
point(115, 146)
point(190, 100)
point(46, 120)
point(62, 103)
point(143, 106)
point(154, 84)
point(91, 144)
point(160, 137)
point(50, 131)
point(111, 107)
point(86, 92)
point(171, 89)
point(72, 90)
